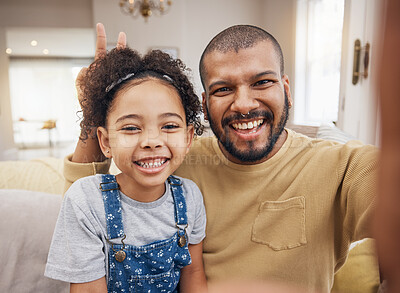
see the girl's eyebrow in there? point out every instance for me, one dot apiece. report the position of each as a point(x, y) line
point(170, 114)
point(140, 117)
point(129, 116)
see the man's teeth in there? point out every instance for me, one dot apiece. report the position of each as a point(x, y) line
point(248, 125)
point(154, 164)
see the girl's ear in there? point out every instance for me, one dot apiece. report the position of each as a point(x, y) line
point(104, 142)
point(189, 137)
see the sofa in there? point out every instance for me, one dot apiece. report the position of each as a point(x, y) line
point(31, 195)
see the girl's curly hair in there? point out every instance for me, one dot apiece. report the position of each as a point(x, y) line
point(120, 62)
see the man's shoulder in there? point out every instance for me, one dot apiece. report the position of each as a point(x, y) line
point(329, 150)
point(202, 145)
point(200, 156)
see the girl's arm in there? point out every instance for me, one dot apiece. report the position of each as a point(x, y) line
point(97, 286)
point(193, 277)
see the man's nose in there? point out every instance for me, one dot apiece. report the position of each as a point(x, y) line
point(244, 101)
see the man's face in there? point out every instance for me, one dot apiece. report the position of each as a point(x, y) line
point(248, 81)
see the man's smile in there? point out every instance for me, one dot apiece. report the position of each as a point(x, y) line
point(252, 125)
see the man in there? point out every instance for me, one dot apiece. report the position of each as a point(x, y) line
point(280, 206)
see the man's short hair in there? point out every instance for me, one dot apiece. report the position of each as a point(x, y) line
point(239, 37)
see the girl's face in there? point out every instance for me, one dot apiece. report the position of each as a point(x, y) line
point(147, 137)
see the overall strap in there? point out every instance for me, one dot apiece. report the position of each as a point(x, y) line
point(112, 205)
point(179, 200)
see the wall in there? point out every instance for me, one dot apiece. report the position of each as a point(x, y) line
point(46, 13)
point(279, 18)
point(7, 148)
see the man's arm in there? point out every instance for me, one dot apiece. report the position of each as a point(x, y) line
point(88, 158)
point(387, 224)
point(89, 150)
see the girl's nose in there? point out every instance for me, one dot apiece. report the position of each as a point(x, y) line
point(151, 139)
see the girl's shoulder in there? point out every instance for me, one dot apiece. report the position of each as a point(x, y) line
point(85, 187)
point(88, 181)
point(190, 189)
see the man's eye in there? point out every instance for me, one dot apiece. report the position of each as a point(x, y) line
point(222, 90)
point(263, 82)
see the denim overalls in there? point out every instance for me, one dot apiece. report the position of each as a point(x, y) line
point(154, 267)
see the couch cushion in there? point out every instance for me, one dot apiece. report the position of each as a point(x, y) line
point(360, 273)
point(27, 221)
point(43, 174)
point(331, 132)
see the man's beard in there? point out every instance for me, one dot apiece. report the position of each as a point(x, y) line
point(252, 154)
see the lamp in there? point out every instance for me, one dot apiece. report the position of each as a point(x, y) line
point(144, 7)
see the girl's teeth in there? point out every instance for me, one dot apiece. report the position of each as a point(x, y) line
point(151, 164)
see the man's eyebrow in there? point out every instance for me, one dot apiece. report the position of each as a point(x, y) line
point(220, 82)
point(170, 114)
point(129, 116)
point(268, 72)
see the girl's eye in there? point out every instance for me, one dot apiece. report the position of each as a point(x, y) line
point(170, 126)
point(130, 128)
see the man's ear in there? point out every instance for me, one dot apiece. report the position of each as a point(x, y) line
point(286, 86)
point(189, 137)
point(104, 142)
point(204, 104)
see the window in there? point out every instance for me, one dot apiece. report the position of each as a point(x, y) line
point(44, 89)
point(318, 57)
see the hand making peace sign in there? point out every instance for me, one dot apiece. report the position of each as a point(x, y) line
point(101, 49)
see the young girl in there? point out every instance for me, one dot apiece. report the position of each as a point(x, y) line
point(141, 230)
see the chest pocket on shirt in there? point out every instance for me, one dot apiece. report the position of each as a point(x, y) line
point(281, 224)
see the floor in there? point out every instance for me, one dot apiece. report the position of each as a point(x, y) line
point(59, 150)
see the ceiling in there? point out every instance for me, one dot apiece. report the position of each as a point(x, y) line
point(60, 42)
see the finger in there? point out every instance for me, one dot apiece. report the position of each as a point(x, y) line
point(121, 43)
point(101, 41)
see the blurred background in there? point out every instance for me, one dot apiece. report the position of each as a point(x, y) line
point(330, 49)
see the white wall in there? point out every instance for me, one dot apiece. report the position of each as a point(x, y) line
point(279, 18)
point(7, 147)
point(46, 13)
